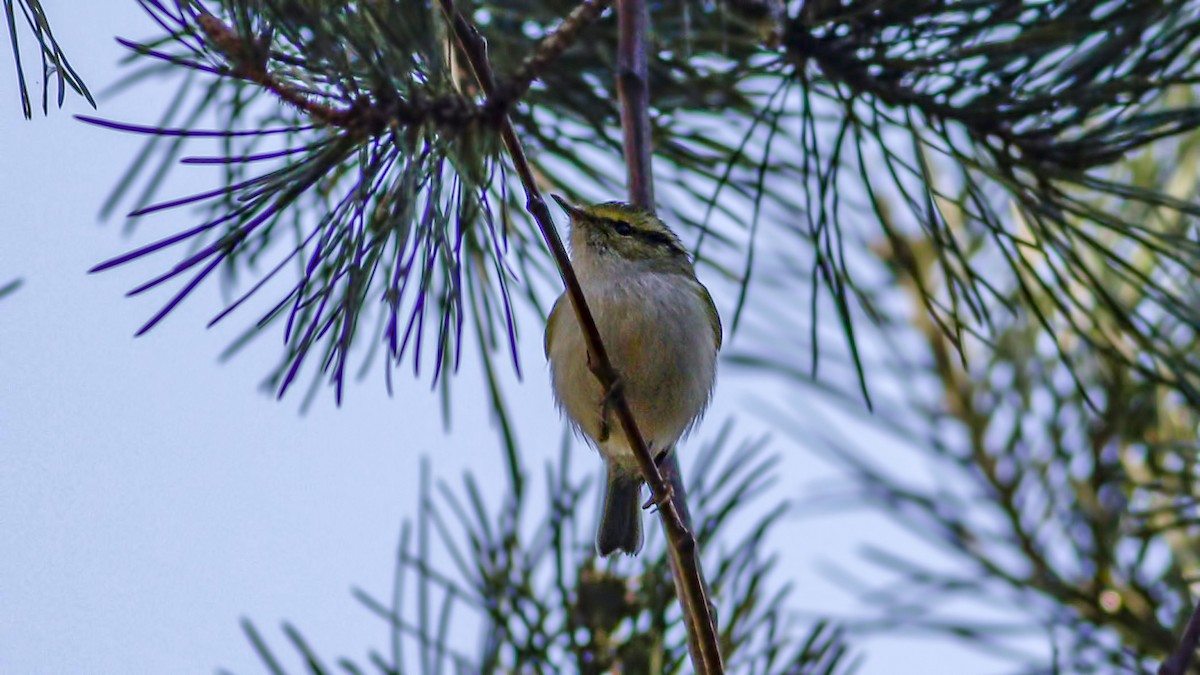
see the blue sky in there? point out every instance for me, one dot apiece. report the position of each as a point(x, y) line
point(150, 496)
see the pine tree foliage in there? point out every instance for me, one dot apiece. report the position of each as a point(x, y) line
point(360, 113)
point(979, 147)
point(545, 604)
point(29, 15)
point(1006, 113)
point(1066, 498)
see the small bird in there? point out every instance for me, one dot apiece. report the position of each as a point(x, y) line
point(661, 331)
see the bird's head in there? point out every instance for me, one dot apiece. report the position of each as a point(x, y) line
point(625, 231)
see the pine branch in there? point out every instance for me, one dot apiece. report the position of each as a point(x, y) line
point(1040, 498)
point(1027, 108)
point(366, 116)
point(399, 178)
point(358, 121)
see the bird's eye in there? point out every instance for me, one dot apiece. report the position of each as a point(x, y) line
point(623, 228)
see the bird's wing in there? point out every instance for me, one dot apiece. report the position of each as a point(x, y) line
point(713, 317)
point(552, 321)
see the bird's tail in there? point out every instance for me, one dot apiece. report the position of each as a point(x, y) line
point(621, 523)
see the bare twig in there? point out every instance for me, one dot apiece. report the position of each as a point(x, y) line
point(681, 543)
point(633, 87)
point(1181, 660)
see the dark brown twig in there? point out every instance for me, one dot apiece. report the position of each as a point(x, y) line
point(681, 543)
point(1181, 660)
point(633, 87)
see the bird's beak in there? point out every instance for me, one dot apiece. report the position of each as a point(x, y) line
point(572, 210)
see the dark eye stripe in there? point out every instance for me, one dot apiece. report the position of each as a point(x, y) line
point(660, 239)
point(622, 228)
point(657, 238)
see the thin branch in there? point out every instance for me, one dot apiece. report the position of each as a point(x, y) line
point(681, 543)
point(248, 60)
point(633, 88)
point(1181, 660)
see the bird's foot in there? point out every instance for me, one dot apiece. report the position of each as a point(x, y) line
point(658, 500)
point(655, 499)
